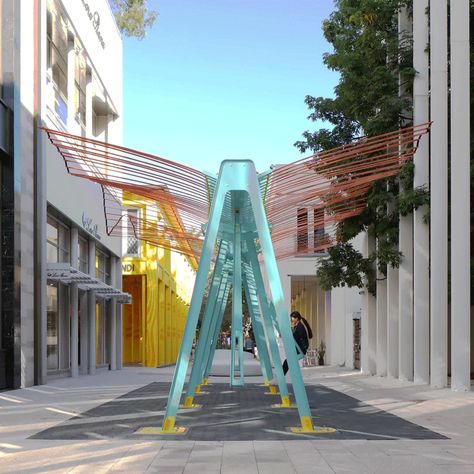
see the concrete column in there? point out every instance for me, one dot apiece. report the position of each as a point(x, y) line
point(84, 336)
point(327, 302)
point(118, 337)
point(368, 320)
point(74, 300)
point(338, 328)
point(439, 192)
point(460, 198)
point(74, 304)
point(113, 318)
point(40, 203)
point(421, 231)
point(91, 311)
point(119, 343)
point(315, 322)
point(74, 241)
point(392, 322)
point(405, 299)
point(405, 287)
point(381, 335)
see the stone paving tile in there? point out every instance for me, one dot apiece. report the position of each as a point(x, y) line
point(275, 468)
point(346, 462)
point(242, 468)
point(165, 469)
point(211, 467)
point(404, 464)
point(421, 406)
point(138, 457)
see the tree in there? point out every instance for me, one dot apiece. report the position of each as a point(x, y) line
point(373, 60)
point(133, 17)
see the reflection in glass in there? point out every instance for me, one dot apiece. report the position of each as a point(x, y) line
point(52, 328)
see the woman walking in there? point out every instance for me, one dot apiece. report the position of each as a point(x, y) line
point(302, 333)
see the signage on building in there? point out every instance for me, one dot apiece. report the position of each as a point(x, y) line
point(94, 18)
point(56, 274)
point(128, 267)
point(89, 225)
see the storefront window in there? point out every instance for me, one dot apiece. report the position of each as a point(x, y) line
point(102, 329)
point(58, 241)
point(102, 266)
point(52, 328)
point(83, 255)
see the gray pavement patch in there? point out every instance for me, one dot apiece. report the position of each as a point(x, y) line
point(243, 413)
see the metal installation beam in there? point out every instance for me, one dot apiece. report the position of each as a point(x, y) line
point(237, 211)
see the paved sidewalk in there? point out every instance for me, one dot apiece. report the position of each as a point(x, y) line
point(26, 414)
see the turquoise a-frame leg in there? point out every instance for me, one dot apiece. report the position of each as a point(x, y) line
point(202, 346)
point(235, 176)
point(182, 362)
point(282, 315)
point(259, 333)
point(237, 343)
point(269, 324)
point(215, 335)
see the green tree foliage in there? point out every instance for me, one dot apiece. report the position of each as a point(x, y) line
point(133, 17)
point(374, 62)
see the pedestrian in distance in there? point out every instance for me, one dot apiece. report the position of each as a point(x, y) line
point(302, 333)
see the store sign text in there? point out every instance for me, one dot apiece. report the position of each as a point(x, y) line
point(94, 17)
point(128, 267)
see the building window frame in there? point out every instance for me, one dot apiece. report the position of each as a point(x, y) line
point(58, 249)
point(131, 243)
point(83, 254)
point(102, 265)
point(302, 229)
point(80, 83)
point(57, 40)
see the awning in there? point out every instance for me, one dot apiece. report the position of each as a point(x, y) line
point(64, 273)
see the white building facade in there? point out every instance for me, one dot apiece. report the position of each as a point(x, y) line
point(63, 71)
point(419, 327)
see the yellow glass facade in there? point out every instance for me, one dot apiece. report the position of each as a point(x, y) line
point(160, 282)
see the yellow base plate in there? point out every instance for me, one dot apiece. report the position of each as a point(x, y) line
point(194, 405)
point(158, 430)
point(280, 405)
point(315, 430)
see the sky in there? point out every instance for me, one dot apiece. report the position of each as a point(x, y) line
point(226, 79)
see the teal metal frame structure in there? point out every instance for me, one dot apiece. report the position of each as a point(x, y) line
point(236, 233)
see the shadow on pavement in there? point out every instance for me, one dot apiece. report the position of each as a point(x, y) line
point(230, 414)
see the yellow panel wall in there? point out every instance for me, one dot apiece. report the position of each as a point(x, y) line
point(151, 348)
point(167, 289)
point(161, 321)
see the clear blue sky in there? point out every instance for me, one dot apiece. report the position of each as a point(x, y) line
point(219, 79)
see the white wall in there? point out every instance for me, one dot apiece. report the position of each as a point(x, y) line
point(24, 146)
point(77, 196)
point(344, 302)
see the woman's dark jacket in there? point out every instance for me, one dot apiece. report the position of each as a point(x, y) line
point(301, 336)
